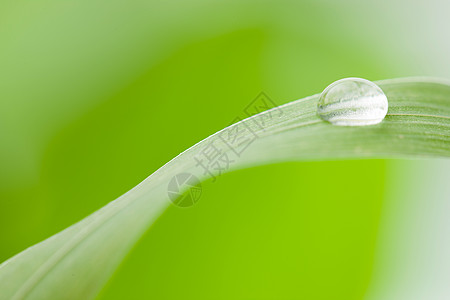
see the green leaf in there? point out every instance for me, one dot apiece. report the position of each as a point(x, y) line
point(77, 262)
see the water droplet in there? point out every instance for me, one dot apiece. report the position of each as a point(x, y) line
point(352, 102)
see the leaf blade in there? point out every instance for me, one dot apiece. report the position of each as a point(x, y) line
point(78, 261)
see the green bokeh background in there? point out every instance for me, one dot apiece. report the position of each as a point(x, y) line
point(97, 95)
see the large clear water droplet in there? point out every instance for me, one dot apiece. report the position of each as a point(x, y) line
point(352, 102)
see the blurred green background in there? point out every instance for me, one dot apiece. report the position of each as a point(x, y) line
point(97, 95)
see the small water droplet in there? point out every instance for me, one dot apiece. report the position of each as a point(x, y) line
point(352, 102)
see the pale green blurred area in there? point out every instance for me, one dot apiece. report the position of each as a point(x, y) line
point(412, 256)
point(97, 95)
